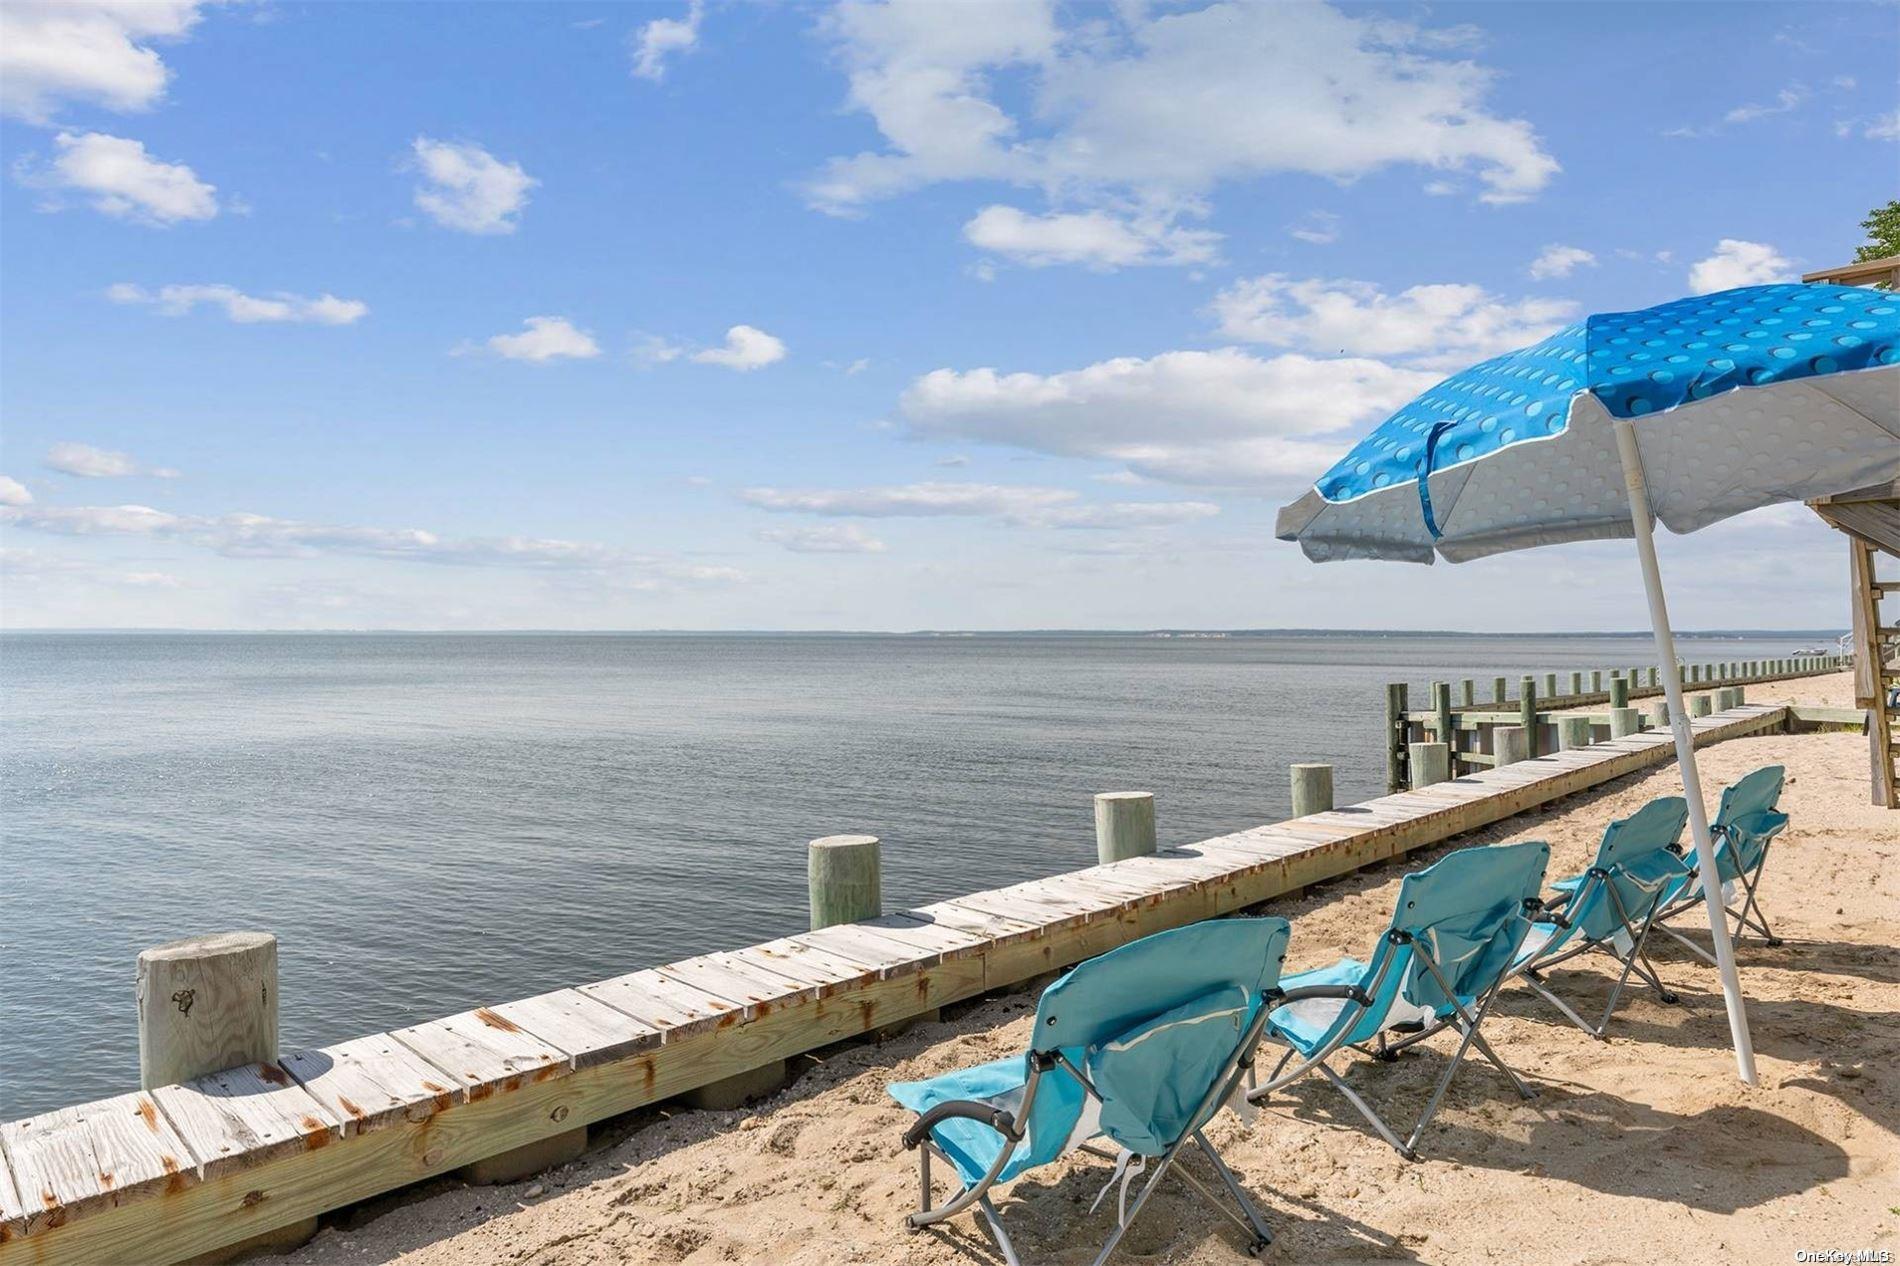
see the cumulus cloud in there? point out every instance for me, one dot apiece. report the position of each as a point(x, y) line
point(1223, 417)
point(94, 51)
point(1020, 505)
point(118, 178)
point(1440, 325)
point(663, 38)
point(467, 188)
point(826, 538)
point(13, 492)
point(746, 348)
point(262, 536)
point(544, 339)
point(1272, 88)
point(1739, 263)
point(1560, 261)
point(87, 462)
point(1095, 239)
point(281, 306)
point(1884, 127)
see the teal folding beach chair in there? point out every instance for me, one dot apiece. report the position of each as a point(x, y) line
point(1140, 1046)
point(1612, 907)
point(1452, 939)
point(1746, 823)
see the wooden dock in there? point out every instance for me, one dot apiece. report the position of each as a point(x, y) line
point(186, 1169)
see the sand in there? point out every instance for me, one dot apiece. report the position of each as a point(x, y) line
point(1644, 1148)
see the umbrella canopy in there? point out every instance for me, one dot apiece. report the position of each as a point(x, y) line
point(1688, 412)
point(1741, 399)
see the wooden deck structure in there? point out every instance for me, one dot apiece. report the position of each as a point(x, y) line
point(186, 1169)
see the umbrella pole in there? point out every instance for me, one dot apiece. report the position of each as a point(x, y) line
point(1640, 516)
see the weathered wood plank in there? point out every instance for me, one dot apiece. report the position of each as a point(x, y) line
point(373, 1082)
point(485, 1053)
point(677, 1010)
point(72, 1161)
point(752, 987)
point(586, 1029)
point(12, 1211)
point(241, 1117)
point(825, 972)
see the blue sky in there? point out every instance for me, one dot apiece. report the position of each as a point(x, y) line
point(793, 316)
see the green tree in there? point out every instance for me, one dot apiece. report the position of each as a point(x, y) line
point(1883, 233)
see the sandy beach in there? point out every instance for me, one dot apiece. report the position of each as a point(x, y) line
point(1642, 1148)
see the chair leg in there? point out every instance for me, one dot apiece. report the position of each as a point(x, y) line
point(1760, 923)
point(1543, 991)
point(1262, 1235)
point(1688, 944)
point(995, 1221)
point(1365, 1110)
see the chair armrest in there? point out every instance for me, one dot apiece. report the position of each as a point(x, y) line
point(1351, 993)
point(968, 1109)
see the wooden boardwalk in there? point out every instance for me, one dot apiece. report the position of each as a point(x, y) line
point(160, 1176)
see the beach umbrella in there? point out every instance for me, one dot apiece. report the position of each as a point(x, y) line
point(1688, 412)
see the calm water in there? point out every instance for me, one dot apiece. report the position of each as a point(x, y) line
point(433, 822)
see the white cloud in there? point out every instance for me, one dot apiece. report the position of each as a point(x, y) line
point(545, 338)
point(120, 179)
point(1885, 127)
point(468, 188)
point(325, 309)
point(1095, 239)
point(94, 51)
point(1319, 227)
point(1785, 100)
point(1020, 505)
point(1156, 106)
point(1223, 417)
point(1560, 261)
point(261, 536)
point(827, 538)
point(13, 492)
point(87, 462)
point(663, 38)
point(746, 348)
point(1739, 263)
point(1440, 325)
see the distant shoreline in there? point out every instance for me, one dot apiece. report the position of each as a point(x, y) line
point(1186, 634)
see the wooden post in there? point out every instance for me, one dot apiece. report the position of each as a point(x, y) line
point(1312, 789)
point(1624, 722)
point(845, 879)
point(1576, 683)
point(1573, 732)
point(1659, 714)
point(1619, 691)
point(1510, 744)
point(206, 1003)
point(1497, 689)
point(1700, 705)
point(1124, 825)
point(1467, 692)
point(1396, 733)
point(1442, 719)
point(1655, 677)
point(1596, 682)
point(1550, 685)
point(1527, 714)
point(1431, 763)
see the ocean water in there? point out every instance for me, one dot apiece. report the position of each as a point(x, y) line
point(433, 822)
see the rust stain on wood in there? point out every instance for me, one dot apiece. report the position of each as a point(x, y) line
point(149, 1112)
point(273, 1074)
point(494, 1021)
point(351, 1108)
point(253, 1198)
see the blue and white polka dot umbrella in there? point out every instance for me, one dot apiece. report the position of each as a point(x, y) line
point(1688, 412)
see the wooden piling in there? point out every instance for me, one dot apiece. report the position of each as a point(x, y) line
point(1573, 732)
point(1527, 714)
point(1467, 692)
point(1576, 683)
point(1624, 722)
point(206, 1003)
point(1596, 681)
point(1124, 825)
point(1312, 789)
point(1441, 708)
point(1396, 728)
point(1498, 690)
point(1431, 763)
point(1700, 705)
point(845, 879)
point(1510, 744)
point(1619, 691)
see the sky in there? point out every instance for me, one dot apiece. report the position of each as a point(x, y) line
point(710, 315)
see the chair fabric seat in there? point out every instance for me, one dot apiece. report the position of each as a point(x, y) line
point(972, 1146)
point(1305, 1025)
